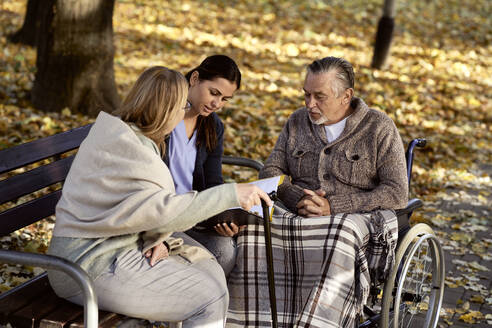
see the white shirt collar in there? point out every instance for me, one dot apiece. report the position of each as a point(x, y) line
point(333, 131)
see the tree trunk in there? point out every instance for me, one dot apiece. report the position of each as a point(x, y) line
point(27, 33)
point(75, 57)
point(384, 35)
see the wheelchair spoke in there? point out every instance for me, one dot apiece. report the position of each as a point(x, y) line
point(410, 298)
point(417, 287)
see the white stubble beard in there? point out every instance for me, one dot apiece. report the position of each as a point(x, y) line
point(322, 120)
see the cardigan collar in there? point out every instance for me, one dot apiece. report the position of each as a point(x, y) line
point(360, 110)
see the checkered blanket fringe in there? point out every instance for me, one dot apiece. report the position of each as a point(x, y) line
point(323, 269)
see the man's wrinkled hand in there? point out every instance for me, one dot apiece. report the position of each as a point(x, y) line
point(157, 253)
point(313, 203)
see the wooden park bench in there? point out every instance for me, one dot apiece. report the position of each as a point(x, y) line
point(34, 303)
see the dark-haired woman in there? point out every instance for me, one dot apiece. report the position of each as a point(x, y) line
point(196, 145)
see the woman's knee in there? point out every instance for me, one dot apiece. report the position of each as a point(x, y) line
point(212, 295)
point(222, 248)
point(214, 277)
point(228, 251)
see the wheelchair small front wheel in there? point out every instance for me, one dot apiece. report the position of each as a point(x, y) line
point(413, 293)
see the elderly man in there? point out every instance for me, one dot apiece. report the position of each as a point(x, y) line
point(346, 165)
point(341, 156)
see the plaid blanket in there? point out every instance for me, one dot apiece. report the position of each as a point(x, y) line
point(323, 269)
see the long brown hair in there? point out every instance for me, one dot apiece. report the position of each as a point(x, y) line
point(216, 66)
point(154, 101)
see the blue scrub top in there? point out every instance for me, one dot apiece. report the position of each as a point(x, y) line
point(182, 157)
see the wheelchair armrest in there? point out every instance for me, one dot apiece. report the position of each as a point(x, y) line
point(61, 264)
point(404, 214)
point(242, 161)
point(412, 205)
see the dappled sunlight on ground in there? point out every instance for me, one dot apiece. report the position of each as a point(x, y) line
point(436, 85)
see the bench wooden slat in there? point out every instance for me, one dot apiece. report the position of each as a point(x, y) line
point(62, 316)
point(16, 307)
point(106, 320)
point(30, 152)
point(28, 213)
point(18, 297)
point(32, 313)
point(33, 180)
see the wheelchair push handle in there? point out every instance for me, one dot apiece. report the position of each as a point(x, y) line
point(418, 142)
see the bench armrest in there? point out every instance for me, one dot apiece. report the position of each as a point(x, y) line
point(242, 161)
point(60, 264)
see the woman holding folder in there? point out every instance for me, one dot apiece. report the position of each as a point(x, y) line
point(195, 146)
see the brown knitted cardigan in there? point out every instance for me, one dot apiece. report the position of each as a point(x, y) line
point(364, 169)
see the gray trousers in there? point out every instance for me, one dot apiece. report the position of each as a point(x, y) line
point(173, 290)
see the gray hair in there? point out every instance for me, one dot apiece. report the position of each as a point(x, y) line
point(344, 72)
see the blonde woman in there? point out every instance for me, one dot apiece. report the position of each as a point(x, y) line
point(119, 206)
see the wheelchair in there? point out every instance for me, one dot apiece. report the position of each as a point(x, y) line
point(412, 294)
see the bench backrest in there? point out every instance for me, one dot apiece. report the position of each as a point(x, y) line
point(45, 175)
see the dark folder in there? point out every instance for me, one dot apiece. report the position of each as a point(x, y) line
point(236, 215)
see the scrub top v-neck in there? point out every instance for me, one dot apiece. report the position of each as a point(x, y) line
point(182, 157)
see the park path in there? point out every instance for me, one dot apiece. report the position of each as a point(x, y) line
point(467, 242)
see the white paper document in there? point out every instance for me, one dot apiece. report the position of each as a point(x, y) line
point(241, 217)
point(268, 185)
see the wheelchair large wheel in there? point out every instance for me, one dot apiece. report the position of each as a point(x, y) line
point(413, 293)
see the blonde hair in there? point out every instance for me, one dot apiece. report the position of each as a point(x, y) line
point(154, 101)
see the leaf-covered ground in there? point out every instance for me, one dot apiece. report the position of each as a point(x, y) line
point(437, 85)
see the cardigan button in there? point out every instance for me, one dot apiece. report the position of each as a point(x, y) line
point(327, 151)
point(355, 157)
point(326, 176)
